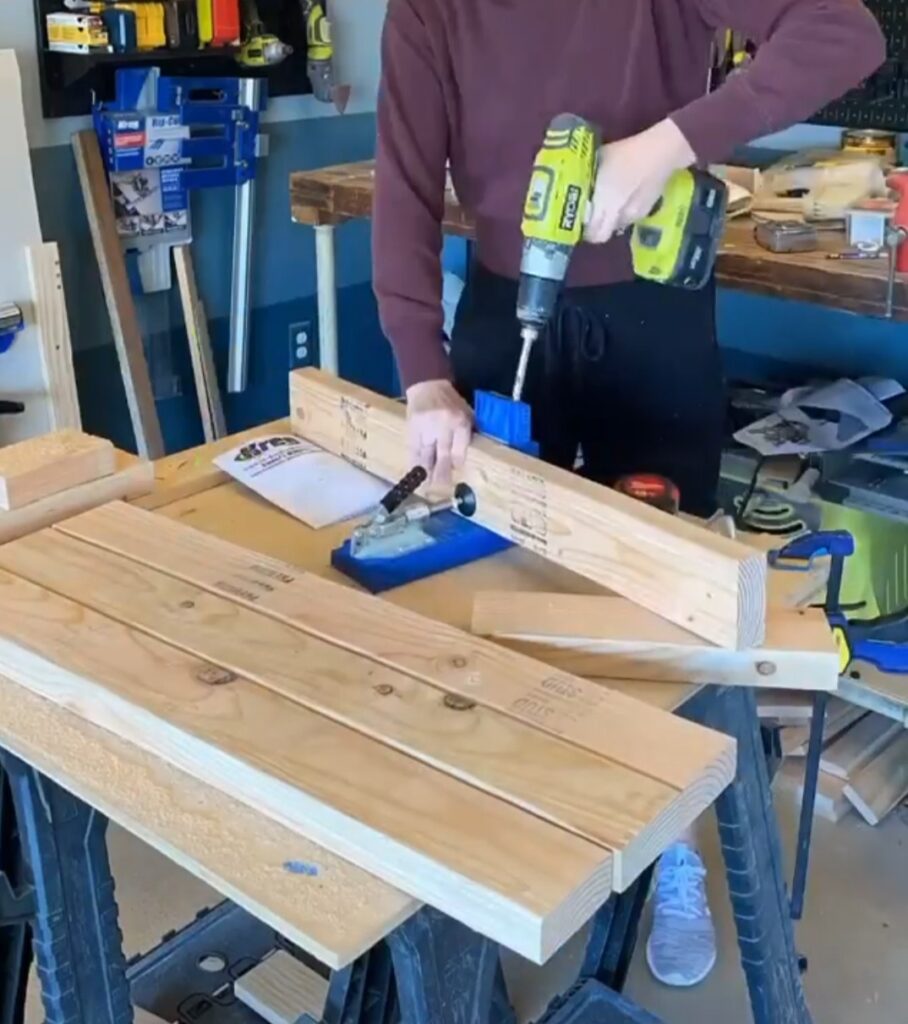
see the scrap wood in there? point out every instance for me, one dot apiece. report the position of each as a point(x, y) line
point(881, 785)
point(609, 637)
point(840, 715)
point(830, 801)
point(45, 465)
point(785, 707)
point(710, 585)
point(858, 745)
point(282, 990)
point(209, 677)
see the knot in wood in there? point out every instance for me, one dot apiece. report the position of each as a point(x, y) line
point(766, 668)
point(456, 702)
point(384, 689)
point(187, 604)
point(459, 661)
point(214, 676)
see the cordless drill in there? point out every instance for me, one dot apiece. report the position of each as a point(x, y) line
point(675, 245)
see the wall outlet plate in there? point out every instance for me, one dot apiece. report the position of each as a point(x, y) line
point(302, 344)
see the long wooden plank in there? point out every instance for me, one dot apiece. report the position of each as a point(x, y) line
point(503, 872)
point(203, 371)
point(132, 478)
point(324, 904)
point(188, 473)
point(45, 465)
point(881, 785)
point(610, 637)
point(121, 307)
point(53, 330)
point(708, 584)
point(585, 713)
point(845, 756)
point(628, 813)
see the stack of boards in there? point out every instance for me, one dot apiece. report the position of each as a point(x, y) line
point(47, 478)
point(864, 765)
point(511, 796)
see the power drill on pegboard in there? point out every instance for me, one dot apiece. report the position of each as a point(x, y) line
point(675, 245)
point(321, 64)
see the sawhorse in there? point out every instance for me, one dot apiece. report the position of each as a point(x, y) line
point(442, 972)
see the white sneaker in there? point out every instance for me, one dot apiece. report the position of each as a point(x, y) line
point(681, 950)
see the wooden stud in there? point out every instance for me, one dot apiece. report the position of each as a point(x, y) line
point(609, 637)
point(710, 585)
point(882, 785)
point(46, 465)
point(120, 303)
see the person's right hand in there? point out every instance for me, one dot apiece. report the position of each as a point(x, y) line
point(439, 427)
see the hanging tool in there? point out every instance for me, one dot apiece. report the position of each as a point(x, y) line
point(11, 323)
point(321, 65)
point(260, 48)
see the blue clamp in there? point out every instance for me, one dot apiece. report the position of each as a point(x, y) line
point(801, 554)
point(11, 323)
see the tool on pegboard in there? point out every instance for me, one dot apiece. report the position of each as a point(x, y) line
point(260, 48)
point(321, 65)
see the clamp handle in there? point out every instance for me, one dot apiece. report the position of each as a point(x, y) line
point(406, 488)
point(835, 543)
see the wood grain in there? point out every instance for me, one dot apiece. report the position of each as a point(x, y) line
point(45, 465)
point(121, 307)
point(585, 713)
point(503, 872)
point(53, 330)
point(883, 784)
point(131, 478)
point(631, 815)
point(328, 907)
point(281, 990)
point(713, 586)
point(612, 637)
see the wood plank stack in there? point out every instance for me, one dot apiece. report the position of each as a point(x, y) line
point(864, 765)
point(512, 796)
point(47, 478)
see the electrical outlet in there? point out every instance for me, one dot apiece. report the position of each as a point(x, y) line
point(302, 344)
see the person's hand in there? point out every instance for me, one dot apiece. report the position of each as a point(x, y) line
point(632, 177)
point(439, 427)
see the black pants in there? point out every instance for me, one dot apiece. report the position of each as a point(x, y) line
point(629, 372)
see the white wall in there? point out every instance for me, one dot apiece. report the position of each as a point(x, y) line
point(357, 25)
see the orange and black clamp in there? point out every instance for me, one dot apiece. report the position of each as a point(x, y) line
point(651, 489)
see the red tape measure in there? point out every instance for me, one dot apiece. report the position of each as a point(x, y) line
point(651, 489)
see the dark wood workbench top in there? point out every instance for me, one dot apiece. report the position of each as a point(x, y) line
point(336, 194)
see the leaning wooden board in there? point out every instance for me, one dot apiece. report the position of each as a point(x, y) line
point(708, 584)
point(214, 685)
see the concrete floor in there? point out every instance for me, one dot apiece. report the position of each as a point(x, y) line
point(855, 932)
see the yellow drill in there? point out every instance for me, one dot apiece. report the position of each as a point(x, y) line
point(675, 245)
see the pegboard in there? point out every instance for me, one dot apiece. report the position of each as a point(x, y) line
point(882, 101)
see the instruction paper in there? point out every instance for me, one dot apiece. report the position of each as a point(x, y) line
point(311, 484)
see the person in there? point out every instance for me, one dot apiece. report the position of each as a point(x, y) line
point(628, 372)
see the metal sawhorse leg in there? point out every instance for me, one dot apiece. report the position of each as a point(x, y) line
point(16, 909)
point(77, 942)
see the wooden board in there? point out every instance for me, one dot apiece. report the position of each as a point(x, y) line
point(606, 637)
point(328, 907)
point(883, 692)
point(131, 478)
point(847, 754)
point(42, 466)
point(830, 805)
point(785, 707)
point(281, 989)
point(713, 586)
point(587, 714)
point(628, 813)
point(203, 371)
point(503, 872)
point(882, 785)
point(49, 303)
point(192, 472)
point(120, 303)
point(840, 715)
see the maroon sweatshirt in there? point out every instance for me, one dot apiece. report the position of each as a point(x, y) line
point(476, 83)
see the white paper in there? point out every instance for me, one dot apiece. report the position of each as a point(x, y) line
point(311, 484)
point(823, 419)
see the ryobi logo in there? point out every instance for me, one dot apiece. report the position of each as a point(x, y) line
point(571, 208)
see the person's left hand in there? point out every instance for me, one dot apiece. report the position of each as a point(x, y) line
point(632, 176)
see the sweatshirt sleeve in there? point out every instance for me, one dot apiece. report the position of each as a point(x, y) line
point(410, 171)
point(810, 52)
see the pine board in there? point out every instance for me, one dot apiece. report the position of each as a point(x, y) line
point(785, 707)
point(883, 784)
point(333, 910)
point(45, 465)
point(587, 714)
point(503, 872)
point(847, 754)
point(610, 637)
point(133, 477)
point(830, 805)
point(710, 585)
point(281, 989)
point(840, 715)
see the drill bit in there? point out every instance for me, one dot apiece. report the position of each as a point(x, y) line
point(528, 335)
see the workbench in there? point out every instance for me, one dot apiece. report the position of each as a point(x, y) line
point(66, 778)
point(328, 197)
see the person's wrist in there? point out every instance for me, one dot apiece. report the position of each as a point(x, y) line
point(673, 144)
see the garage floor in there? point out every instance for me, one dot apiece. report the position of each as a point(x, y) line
point(855, 933)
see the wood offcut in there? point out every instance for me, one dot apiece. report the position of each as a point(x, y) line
point(710, 585)
point(45, 465)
